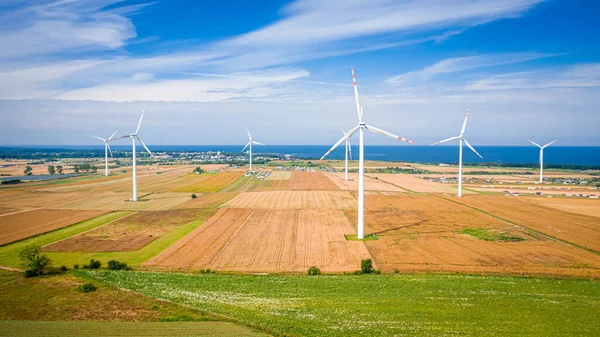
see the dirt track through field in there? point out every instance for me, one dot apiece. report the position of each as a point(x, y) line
point(22, 225)
point(268, 241)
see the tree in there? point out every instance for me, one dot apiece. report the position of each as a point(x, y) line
point(59, 169)
point(76, 168)
point(37, 263)
point(28, 170)
point(93, 168)
point(199, 170)
point(51, 170)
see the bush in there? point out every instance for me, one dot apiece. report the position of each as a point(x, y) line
point(366, 266)
point(63, 268)
point(314, 271)
point(116, 265)
point(11, 181)
point(206, 271)
point(86, 288)
point(76, 266)
point(194, 196)
point(37, 263)
point(30, 273)
point(93, 265)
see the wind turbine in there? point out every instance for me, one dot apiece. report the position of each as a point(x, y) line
point(542, 156)
point(461, 139)
point(361, 156)
point(250, 142)
point(107, 149)
point(348, 152)
point(134, 136)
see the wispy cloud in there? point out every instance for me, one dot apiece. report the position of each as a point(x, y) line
point(460, 64)
point(69, 29)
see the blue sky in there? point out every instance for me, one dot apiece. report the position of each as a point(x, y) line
point(208, 70)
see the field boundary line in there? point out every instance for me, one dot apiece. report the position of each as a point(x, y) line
point(525, 228)
point(20, 211)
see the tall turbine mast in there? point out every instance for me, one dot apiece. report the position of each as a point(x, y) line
point(250, 142)
point(542, 156)
point(461, 138)
point(107, 150)
point(361, 156)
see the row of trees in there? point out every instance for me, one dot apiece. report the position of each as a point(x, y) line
point(55, 169)
point(85, 168)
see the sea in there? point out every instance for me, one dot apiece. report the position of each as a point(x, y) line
point(565, 155)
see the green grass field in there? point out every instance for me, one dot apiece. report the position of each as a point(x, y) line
point(343, 305)
point(149, 329)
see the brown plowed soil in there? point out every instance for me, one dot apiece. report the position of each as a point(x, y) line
point(583, 230)
point(268, 241)
point(293, 200)
point(126, 234)
point(299, 181)
point(22, 225)
point(371, 184)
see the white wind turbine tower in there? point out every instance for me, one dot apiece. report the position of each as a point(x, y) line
point(361, 156)
point(348, 152)
point(107, 149)
point(461, 139)
point(542, 156)
point(134, 136)
point(250, 142)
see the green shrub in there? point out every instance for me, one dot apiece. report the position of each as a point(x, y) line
point(396, 271)
point(76, 266)
point(314, 271)
point(366, 266)
point(93, 265)
point(116, 265)
point(30, 273)
point(63, 268)
point(37, 263)
point(86, 288)
point(194, 196)
point(206, 271)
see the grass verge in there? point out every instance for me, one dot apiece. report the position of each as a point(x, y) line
point(341, 305)
point(492, 235)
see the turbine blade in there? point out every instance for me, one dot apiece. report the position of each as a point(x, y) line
point(344, 132)
point(470, 147)
point(534, 143)
point(145, 147)
point(446, 140)
point(114, 133)
point(357, 99)
point(385, 133)
point(346, 136)
point(249, 136)
point(245, 147)
point(102, 139)
point(257, 143)
point(552, 142)
point(462, 131)
point(140, 122)
point(109, 149)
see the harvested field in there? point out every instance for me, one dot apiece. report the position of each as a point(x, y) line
point(22, 225)
point(453, 252)
point(268, 241)
point(582, 206)
point(416, 184)
point(582, 230)
point(4, 210)
point(279, 175)
point(120, 201)
point(299, 181)
point(39, 199)
point(209, 183)
point(293, 200)
point(207, 200)
point(126, 234)
point(352, 183)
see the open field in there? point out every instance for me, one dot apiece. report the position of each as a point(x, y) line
point(210, 183)
point(50, 306)
point(299, 181)
point(582, 230)
point(126, 234)
point(268, 241)
point(293, 200)
point(416, 184)
point(18, 226)
point(38, 199)
point(120, 201)
point(400, 305)
point(207, 200)
point(352, 183)
point(279, 175)
point(581, 206)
